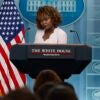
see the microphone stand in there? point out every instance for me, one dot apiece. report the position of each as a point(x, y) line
point(76, 35)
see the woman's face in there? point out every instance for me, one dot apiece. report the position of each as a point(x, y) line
point(46, 22)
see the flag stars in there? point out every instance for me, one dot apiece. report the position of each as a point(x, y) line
point(18, 18)
point(7, 33)
point(10, 13)
point(2, 18)
point(4, 13)
point(8, 8)
point(3, 33)
point(8, 28)
point(12, 28)
point(14, 18)
point(9, 23)
point(16, 28)
point(5, 2)
point(22, 22)
point(6, 38)
point(15, 8)
point(9, 3)
point(13, 23)
point(11, 8)
point(1, 23)
point(5, 23)
point(17, 23)
point(12, 3)
point(10, 18)
point(7, 13)
point(4, 28)
point(14, 13)
point(5, 8)
point(12, 33)
point(1, 8)
point(6, 18)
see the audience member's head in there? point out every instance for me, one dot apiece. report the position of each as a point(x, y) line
point(44, 76)
point(68, 85)
point(44, 89)
point(61, 92)
point(20, 94)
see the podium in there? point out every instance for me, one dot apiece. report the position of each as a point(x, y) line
point(64, 59)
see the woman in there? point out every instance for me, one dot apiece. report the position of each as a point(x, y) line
point(48, 20)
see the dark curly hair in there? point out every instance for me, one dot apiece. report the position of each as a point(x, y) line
point(49, 11)
point(46, 75)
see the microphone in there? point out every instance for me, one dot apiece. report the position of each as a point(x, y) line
point(76, 35)
point(25, 33)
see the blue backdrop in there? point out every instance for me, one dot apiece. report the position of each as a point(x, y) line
point(87, 84)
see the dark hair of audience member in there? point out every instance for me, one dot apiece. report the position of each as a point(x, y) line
point(67, 84)
point(44, 76)
point(20, 94)
point(61, 92)
point(44, 89)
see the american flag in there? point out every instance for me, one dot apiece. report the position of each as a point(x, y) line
point(11, 32)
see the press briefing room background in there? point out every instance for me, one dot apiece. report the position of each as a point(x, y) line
point(83, 18)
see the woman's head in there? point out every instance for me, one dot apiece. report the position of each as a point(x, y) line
point(47, 15)
point(44, 89)
point(21, 94)
point(61, 92)
point(44, 76)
